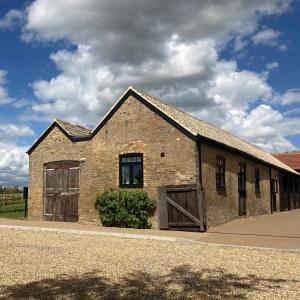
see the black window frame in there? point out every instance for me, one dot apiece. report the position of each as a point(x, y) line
point(274, 186)
point(131, 164)
point(220, 172)
point(257, 180)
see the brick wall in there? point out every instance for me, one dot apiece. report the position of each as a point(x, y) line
point(222, 204)
point(133, 129)
point(56, 146)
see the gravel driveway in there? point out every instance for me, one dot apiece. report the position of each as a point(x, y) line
point(42, 265)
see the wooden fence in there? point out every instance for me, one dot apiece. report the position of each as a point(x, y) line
point(14, 201)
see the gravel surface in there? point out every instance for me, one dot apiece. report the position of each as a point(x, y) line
point(45, 265)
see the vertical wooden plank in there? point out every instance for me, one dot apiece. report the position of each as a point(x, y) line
point(200, 208)
point(162, 208)
point(73, 193)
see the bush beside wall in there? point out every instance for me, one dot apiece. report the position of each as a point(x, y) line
point(125, 208)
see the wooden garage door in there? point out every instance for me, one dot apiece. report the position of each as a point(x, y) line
point(61, 191)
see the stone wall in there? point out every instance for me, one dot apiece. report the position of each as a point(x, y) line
point(134, 128)
point(55, 147)
point(222, 204)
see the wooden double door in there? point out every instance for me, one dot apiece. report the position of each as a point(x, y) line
point(61, 191)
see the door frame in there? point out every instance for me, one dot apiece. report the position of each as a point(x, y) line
point(53, 165)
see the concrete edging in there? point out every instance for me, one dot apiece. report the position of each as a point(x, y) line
point(138, 236)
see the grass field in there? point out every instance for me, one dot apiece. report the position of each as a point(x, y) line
point(13, 215)
point(13, 211)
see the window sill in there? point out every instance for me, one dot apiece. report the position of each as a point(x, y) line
point(131, 186)
point(221, 187)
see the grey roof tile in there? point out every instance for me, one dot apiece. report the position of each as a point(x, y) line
point(74, 130)
point(209, 131)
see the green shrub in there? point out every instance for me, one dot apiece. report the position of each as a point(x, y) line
point(125, 208)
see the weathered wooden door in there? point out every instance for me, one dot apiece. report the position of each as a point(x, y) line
point(242, 189)
point(61, 191)
point(273, 202)
point(180, 208)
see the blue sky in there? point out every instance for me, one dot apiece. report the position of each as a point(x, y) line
point(236, 66)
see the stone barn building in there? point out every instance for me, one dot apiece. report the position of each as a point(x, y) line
point(200, 175)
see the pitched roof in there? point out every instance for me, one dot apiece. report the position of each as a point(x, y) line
point(199, 129)
point(190, 125)
point(291, 159)
point(74, 129)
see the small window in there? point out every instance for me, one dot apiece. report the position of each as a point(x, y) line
point(220, 172)
point(274, 184)
point(257, 180)
point(131, 170)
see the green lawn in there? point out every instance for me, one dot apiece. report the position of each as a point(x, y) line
point(13, 211)
point(13, 215)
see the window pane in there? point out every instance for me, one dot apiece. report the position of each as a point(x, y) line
point(123, 159)
point(133, 158)
point(138, 158)
point(137, 174)
point(125, 175)
point(128, 159)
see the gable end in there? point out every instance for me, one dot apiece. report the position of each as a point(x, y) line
point(157, 111)
point(49, 129)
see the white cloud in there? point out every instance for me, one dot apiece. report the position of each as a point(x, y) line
point(173, 55)
point(83, 91)
point(266, 37)
point(13, 165)
point(283, 47)
point(11, 18)
point(237, 89)
point(9, 132)
point(292, 96)
point(4, 97)
point(272, 65)
point(13, 159)
point(264, 127)
point(108, 24)
point(269, 37)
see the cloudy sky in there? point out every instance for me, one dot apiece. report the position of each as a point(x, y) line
point(233, 63)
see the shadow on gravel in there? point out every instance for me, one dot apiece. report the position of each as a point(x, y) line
point(179, 283)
